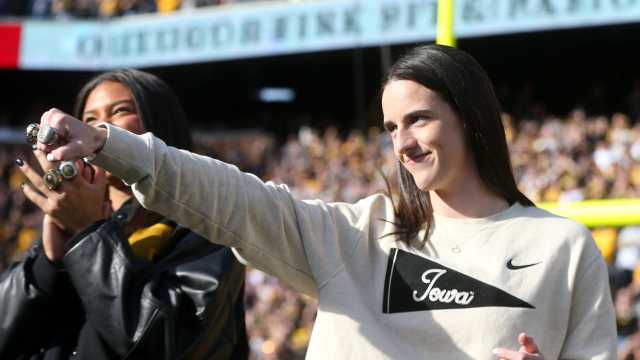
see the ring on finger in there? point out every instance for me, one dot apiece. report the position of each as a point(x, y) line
point(48, 135)
point(52, 179)
point(68, 169)
point(32, 133)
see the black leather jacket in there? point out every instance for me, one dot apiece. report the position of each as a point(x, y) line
point(109, 304)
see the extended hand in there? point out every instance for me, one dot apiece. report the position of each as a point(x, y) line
point(78, 139)
point(528, 350)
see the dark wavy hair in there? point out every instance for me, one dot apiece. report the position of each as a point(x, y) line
point(463, 84)
point(158, 106)
point(158, 109)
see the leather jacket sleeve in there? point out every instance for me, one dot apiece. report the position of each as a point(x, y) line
point(27, 296)
point(162, 310)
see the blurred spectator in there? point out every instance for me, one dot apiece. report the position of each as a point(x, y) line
point(633, 101)
point(165, 6)
point(62, 9)
point(40, 8)
point(132, 7)
point(20, 218)
point(83, 9)
point(13, 8)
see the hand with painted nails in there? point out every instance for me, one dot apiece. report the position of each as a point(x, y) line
point(77, 203)
point(528, 350)
point(76, 139)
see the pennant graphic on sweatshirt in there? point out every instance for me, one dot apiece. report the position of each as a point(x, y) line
point(414, 283)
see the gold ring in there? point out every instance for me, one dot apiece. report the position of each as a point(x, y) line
point(52, 179)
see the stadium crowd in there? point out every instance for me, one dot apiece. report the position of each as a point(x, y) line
point(83, 9)
point(556, 160)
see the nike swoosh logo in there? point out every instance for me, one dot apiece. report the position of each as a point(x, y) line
point(510, 265)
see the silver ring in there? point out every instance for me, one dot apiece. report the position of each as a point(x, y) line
point(48, 135)
point(52, 179)
point(68, 169)
point(32, 133)
point(89, 158)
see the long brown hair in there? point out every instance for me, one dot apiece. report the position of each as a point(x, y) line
point(463, 84)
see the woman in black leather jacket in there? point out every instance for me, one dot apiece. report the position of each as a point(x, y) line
point(109, 279)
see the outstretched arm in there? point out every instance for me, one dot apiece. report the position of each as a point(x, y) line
point(301, 242)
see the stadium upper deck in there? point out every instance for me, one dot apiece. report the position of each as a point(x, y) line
point(89, 9)
point(264, 28)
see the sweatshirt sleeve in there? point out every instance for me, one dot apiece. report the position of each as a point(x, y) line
point(592, 332)
point(302, 242)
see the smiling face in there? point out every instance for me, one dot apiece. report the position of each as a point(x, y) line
point(427, 136)
point(111, 102)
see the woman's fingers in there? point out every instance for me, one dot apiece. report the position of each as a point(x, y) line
point(506, 354)
point(86, 171)
point(527, 344)
point(99, 176)
point(35, 197)
point(77, 139)
point(34, 177)
point(48, 119)
point(42, 160)
point(528, 350)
